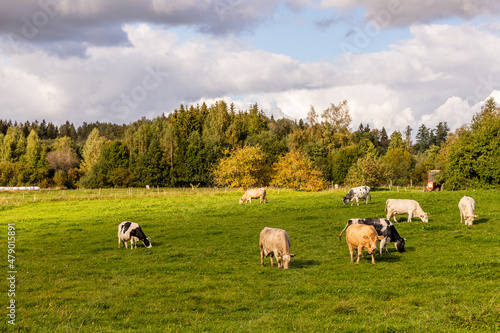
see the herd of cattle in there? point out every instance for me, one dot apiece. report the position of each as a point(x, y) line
point(361, 234)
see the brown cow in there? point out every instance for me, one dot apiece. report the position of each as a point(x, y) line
point(275, 242)
point(362, 236)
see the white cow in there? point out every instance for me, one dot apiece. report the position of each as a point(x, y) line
point(132, 231)
point(356, 193)
point(275, 242)
point(254, 194)
point(405, 206)
point(467, 206)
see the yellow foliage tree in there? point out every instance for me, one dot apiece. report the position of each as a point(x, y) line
point(295, 171)
point(245, 167)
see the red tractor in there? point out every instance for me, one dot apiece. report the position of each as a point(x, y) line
point(434, 181)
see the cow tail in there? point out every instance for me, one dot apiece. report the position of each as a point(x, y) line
point(340, 236)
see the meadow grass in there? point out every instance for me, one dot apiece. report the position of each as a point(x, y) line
point(203, 272)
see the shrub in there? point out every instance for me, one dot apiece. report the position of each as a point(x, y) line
point(295, 171)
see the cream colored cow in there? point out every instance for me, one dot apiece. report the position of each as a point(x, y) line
point(275, 242)
point(467, 206)
point(254, 194)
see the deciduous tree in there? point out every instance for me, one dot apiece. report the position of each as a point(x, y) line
point(244, 167)
point(294, 170)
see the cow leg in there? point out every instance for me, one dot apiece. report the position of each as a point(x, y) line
point(373, 258)
point(126, 246)
point(394, 217)
point(461, 216)
point(271, 257)
point(383, 243)
point(360, 248)
point(410, 215)
point(262, 257)
point(351, 252)
point(119, 242)
point(357, 201)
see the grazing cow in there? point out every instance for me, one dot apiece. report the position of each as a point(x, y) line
point(254, 194)
point(133, 232)
point(362, 236)
point(275, 242)
point(467, 206)
point(356, 193)
point(384, 228)
point(405, 206)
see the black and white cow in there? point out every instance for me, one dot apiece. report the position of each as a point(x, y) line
point(356, 193)
point(384, 228)
point(132, 231)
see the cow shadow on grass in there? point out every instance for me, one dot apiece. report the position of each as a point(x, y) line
point(407, 249)
point(392, 256)
point(479, 221)
point(303, 263)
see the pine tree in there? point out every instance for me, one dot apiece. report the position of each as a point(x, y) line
point(442, 131)
point(423, 138)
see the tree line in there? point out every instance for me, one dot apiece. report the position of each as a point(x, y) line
point(219, 145)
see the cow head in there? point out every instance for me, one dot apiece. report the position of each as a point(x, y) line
point(286, 258)
point(469, 220)
point(345, 200)
point(242, 199)
point(372, 239)
point(147, 243)
point(400, 245)
point(425, 217)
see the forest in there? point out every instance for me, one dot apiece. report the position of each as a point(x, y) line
point(218, 145)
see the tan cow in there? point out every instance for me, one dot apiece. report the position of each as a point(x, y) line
point(467, 206)
point(254, 194)
point(275, 242)
point(359, 237)
point(405, 206)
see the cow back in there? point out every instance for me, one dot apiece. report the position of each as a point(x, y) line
point(275, 239)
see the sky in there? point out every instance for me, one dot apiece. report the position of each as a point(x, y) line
point(396, 62)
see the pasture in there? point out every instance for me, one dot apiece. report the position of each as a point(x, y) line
point(203, 272)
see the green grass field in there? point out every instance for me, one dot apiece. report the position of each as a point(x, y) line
point(203, 272)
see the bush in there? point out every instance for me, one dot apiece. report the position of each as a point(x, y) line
point(295, 171)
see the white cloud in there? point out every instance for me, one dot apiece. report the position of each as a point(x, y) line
point(431, 77)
